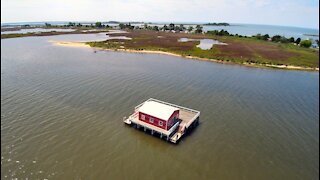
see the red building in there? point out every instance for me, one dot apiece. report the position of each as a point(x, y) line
point(158, 114)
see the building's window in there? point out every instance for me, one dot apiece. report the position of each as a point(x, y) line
point(151, 120)
point(160, 123)
point(143, 117)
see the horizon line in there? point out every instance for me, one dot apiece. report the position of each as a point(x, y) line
point(198, 22)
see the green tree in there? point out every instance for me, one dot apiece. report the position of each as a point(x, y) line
point(71, 24)
point(198, 29)
point(122, 26)
point(171, 26)
point(98, 24)
point(181, 27)
point(176, 28)
point(298, 40)
point(258, 36)
point(155, 28)
point(129, 26)
point(284, 39)
point(306, 43)
point(223, 33)
point(190, 28)
point(276, 38)
point(265, 37)
point(165, 27)
point(291, 39)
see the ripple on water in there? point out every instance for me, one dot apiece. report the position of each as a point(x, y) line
point(62, 108)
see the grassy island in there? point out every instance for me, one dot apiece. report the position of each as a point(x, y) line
point(259, 50)
point(240, 50)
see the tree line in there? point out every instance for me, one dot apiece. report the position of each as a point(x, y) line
point(267, 37)
point(170, 27)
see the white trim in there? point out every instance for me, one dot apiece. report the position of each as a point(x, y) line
point(158, 110)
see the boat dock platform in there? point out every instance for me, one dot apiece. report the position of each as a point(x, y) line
point(188, 119)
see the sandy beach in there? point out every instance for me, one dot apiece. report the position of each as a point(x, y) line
point(70, 44)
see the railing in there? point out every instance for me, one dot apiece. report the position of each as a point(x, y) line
point(177, 106)
point(190, 122)
point(173, 127)
point(174, 105)
point(135, 108)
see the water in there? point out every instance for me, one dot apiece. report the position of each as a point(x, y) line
point(36, 30)
point(62, 109)
point(253, 29)
point(235, 28)
point(88, 37)
point(205, 44)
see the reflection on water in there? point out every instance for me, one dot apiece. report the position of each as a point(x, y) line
point(85, 37)
point(62, 109)
point(36, 30)
point(205, 44)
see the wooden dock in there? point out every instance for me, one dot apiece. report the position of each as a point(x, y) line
point(188, 119)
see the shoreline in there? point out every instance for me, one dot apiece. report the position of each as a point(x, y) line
point(84, 45)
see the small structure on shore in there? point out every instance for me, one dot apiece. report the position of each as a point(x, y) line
point(165, 119)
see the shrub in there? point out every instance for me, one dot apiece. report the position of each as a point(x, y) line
point(298, 40)
point(265, 37)
point(305, 43)
point(262, 37)
point(276, 38)
point(291, 39)
point(284, 40)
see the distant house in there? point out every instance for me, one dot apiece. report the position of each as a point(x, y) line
point(158, 114)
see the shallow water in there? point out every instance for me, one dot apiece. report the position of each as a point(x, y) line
point(62, 109)
point(35, 30)
point(205, 44)
point(87, 37)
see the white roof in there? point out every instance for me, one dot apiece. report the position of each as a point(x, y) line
point(156, 109)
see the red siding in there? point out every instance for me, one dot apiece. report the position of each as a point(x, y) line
point(176, 113)
point(155, 121)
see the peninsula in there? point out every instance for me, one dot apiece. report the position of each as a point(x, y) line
point(257, 51)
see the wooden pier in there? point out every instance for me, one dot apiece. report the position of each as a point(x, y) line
point(188, 119)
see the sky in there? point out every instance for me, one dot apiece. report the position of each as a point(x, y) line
point(299, 13)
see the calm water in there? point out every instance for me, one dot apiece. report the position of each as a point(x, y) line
point(253, 29)
point(35, 30)
point(235, 28)
point(62, 109)
point(204, 44)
